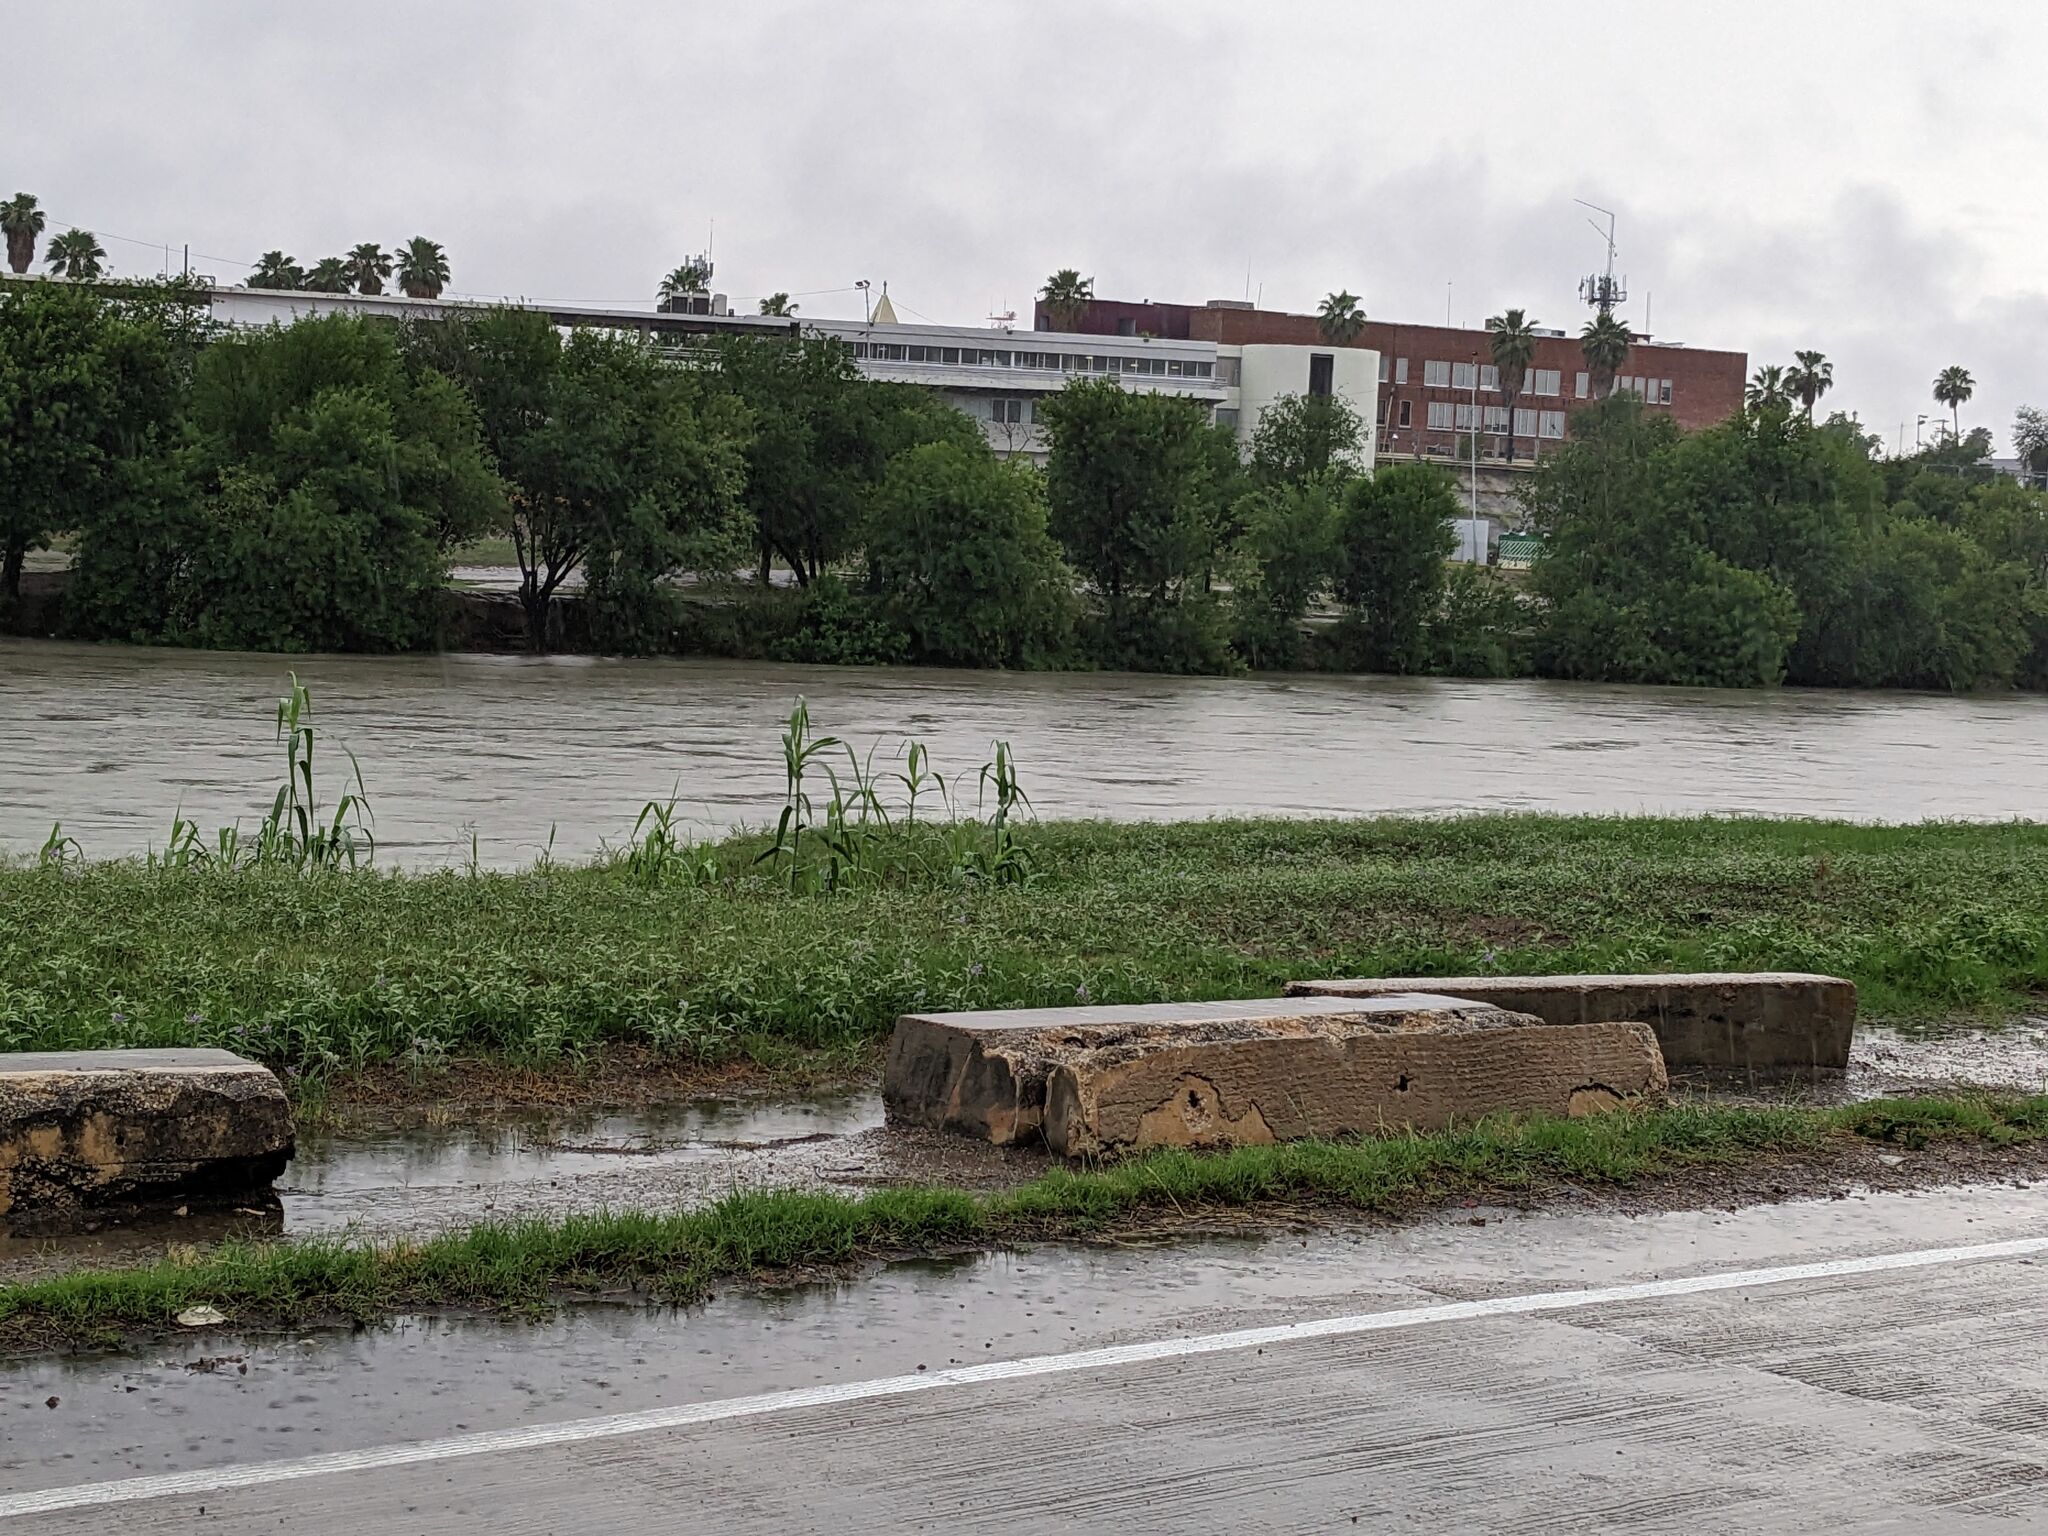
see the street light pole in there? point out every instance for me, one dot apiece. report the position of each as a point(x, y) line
point(1475, 434)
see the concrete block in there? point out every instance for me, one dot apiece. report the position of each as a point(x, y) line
point(84, 1131)
point(1092, 1080)
point(1766, 1022)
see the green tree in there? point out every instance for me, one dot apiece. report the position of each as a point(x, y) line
point(76, 255)
point(1810, 376)
point(275, 270)
point(1135, 483)
point(422, 268)
point(1605, 342)
point(822, 436)
point(957, 547)
point(2030, 438)
point(1631, 587)
point(1511, 337)
point(1306, 437)
point(367, 264)
point(1393, 537)
point(1280, 564)
point(1953, 388)
point(1766, 390)
point(21, 221)
point(328, 275)
point(313, 503)
point(684, 285)
point(1066, 297)
point(613, 461)
point(87, 383)
point(777, 304)
point(1339, 318)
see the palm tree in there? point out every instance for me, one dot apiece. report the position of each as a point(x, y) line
point(329, 275)
point(1952, 387)
point(1066, 297)
point(1767, 389)
point(1512, 338)
point(1810, 377)
point(368, 266)
point(422, 268)
point(75, 254)
point(777, 304)
point(1605, 342)
point(1339, 318)
point(275, 270)
point(684, 285)
point(22, 222)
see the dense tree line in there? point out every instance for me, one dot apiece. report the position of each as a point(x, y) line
point(306, 487)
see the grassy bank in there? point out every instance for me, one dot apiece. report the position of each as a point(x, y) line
point(676, 1257)
point(711, 957)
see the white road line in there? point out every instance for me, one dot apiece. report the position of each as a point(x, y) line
point(575, 1431)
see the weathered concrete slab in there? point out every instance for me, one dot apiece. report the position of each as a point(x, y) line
point(85, 1131)
point(1090, 1080)
point(1767, 1022)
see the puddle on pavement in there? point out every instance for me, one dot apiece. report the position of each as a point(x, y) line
point(522, 1147)
point(223, 1398)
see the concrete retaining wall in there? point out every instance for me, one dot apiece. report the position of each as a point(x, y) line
point(1768, 1023)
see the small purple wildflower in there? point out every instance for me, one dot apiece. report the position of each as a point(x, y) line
point(120, 1017)
point(199, 1018)
point(976, 969)
point(1081, 993)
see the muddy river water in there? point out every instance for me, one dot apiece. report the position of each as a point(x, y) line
point(114, 741)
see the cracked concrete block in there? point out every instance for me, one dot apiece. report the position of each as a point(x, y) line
point(1092, 1080)
point(88, 1131)
point(1768, 1023)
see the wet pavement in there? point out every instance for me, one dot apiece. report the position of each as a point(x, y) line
point(1773, 1398)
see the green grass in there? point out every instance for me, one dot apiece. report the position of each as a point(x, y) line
point(676, 1257)
point(322, 971)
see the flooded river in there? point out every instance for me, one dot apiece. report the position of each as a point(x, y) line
point(114, 741)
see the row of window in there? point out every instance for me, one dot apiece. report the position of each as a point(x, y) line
point(1447, 416)
point(1003, 357)
point(1537, 381)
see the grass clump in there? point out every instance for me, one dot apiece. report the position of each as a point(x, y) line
point(341, 968)
point(526, 1266)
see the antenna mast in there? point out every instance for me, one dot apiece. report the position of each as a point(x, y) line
point(1601, 290)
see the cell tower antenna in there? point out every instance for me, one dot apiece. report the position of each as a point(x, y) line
point(1602, 290)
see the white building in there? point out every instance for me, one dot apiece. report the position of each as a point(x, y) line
point(997, 376)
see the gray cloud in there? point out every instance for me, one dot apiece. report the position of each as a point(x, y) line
point(1832, 175)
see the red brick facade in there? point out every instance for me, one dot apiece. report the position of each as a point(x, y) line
point(1704, 387)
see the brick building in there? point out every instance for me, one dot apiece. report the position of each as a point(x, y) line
point(1428, 373)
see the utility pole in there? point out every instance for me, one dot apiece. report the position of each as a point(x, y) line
point(1475, 434)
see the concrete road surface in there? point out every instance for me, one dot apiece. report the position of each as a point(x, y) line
point(1863, 1364)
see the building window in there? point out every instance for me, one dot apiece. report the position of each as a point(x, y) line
point(1584, 386)
point(1436, 375)
point(1525, 423)
point(1400, 370)
point(1544, 381)
point(1199, 370)
point(1007, 410)
point(1439, 415)
point(1407, 416)
point(1127, 326)
point(1664, 392)
point(1384, 403)
point(1464, 375)
point(1226, 416)
point(1552, 424)
point(1497, 419)
point(1322, 370)
point(1489, 376)
point(1386, 369)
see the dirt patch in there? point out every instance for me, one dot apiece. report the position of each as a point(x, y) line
point(614, 1077)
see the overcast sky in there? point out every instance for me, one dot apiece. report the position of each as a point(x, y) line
point(1860, 176)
